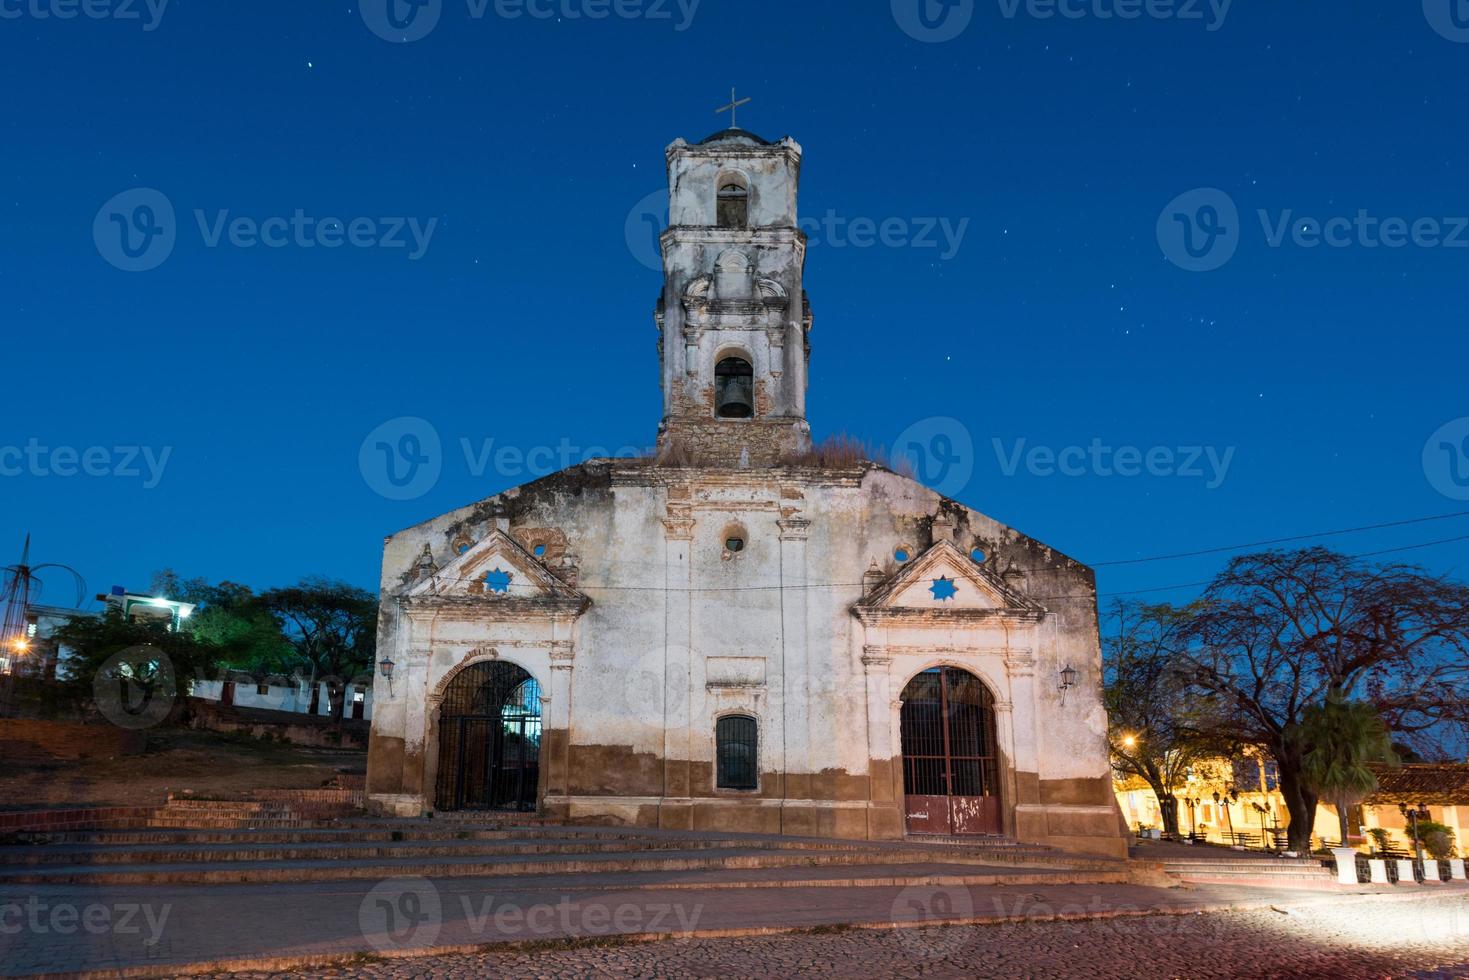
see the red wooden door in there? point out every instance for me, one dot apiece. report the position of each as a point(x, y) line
point(950, 771)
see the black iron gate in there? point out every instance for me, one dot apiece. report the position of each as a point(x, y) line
point(950, 767)
point(490, 739)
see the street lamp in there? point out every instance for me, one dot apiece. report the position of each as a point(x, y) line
point(1415, 814)
point(1231, 795)
point(385, 667)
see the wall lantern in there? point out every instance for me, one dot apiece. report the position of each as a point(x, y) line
point(1068, 681)
point(385, 667)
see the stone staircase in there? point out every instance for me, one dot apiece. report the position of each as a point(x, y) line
point(266, 809)
point(203, 841)
point(1280, 872)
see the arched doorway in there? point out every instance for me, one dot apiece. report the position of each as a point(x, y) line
point(951, 773)
point(489, 739)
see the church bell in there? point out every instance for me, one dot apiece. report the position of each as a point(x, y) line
point(734, 389)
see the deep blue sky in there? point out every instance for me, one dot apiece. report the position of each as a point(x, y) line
point(528, 320)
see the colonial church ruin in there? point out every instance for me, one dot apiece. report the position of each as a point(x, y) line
point(741, 633)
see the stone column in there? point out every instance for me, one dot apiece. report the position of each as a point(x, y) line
point(556, 715)
point(795, 673)
point(418, 654)
point(677, 651)
point(1023, 780)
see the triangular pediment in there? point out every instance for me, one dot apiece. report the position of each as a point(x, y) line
point(496, 568)
point(944, 580)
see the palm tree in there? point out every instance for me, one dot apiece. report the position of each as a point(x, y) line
point(1338, 739)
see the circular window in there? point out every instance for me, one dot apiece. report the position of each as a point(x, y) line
point(901, 554)
point(978, 555)
point(735, 545)
point(540, 551)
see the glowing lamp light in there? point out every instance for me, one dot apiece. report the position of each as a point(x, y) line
point(1129, 741)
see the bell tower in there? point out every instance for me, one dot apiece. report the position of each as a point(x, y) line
point(733, 320)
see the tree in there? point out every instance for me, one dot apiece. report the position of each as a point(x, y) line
point(332, 628)
point(230, 617)
point(1337, 739)
point(156, 663)
point(1278, 632)
point(1153, 728)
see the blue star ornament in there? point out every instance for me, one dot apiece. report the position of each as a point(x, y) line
point(498, 580)
point(943, 589)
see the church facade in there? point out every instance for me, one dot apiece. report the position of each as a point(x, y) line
point(742, 632)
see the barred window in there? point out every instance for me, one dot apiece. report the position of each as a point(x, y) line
point(736, 751)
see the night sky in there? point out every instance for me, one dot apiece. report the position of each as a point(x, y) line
point(985, 190)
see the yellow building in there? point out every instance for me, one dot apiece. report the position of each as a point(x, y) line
point(1256, 815)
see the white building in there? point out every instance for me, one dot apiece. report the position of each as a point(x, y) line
point(742, 634)
point(284, 694)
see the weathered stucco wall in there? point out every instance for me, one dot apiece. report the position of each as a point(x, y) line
point(679, 632)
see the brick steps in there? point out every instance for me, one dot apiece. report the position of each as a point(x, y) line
point(72, 854)
point(1288, 872)
point(213, 849)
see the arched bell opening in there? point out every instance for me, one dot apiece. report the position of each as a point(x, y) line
point(951, 771)
point(489, 739)
point(734, 388)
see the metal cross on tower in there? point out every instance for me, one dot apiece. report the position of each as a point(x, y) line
point(734, 103)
